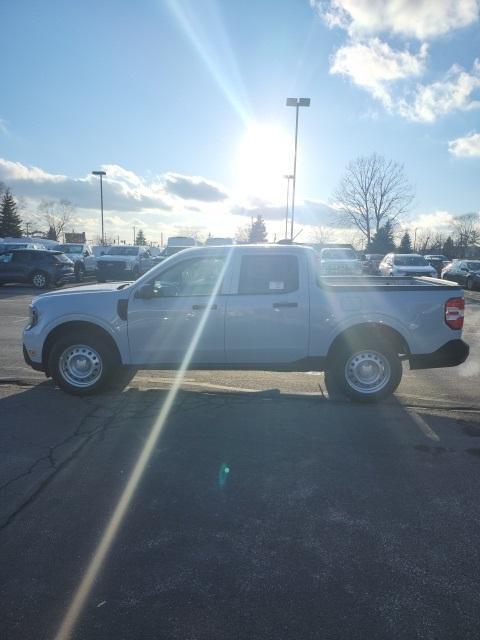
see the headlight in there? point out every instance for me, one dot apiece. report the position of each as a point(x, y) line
point(32, 316)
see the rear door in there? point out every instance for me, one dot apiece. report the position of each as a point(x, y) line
point(267, 313)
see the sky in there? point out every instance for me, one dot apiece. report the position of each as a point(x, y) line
point(182, 103)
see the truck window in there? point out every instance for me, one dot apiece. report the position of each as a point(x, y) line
point(196, 277)
point(268, 274)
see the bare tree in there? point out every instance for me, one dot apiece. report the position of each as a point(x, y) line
point(197, 233)
point(56, 215)
point(321, 235)
point(243, 233)
point(373, 191)
point(467, 230)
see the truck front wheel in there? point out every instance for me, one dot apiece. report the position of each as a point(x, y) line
point(81, 364)
point(367, 372)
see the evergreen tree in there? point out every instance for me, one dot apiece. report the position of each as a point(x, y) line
point(51, 233)
point(140, 239)
point(383, 241)
point(448, 247)
point(10, 222)
point(405, 244)
point(258, 232)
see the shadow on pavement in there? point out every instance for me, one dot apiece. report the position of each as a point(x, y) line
point(260, 515)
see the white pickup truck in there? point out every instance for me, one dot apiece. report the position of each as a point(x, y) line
point(248, 307)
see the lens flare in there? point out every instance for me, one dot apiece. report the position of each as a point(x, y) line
point(75, 608)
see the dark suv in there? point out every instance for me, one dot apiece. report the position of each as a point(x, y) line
point(36, 267)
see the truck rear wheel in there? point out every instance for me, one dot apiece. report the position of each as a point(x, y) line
point(369, 371)
point(81, 364)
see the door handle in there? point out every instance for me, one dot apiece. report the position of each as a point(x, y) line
point(200, 307)
point(278, 305)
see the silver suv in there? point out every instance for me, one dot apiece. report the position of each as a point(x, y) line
point(82, 256)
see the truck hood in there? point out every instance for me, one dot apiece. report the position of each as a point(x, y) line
point(88, 288)
point(107, 258)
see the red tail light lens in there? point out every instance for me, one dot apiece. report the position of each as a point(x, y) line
point(454, 313)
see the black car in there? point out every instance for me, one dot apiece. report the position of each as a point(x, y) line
point(36, 267)
point(465, 272)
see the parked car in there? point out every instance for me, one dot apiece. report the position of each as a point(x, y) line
point(438, 262)
point(406, 264)
point(82, 256)
point(339, 262)
point(218, 242)
point(371, 262)
point(39, 267)
point(7, 246)
point(251, 307)
point(465, 272)
point(123, 262)
point(181, 241)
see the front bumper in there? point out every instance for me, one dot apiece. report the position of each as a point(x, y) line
point(114, 273)
point(451, 354)
point(37, 366)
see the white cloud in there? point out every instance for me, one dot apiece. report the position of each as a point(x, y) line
point(455, 91)
point(422, 19)
point(194, 188)
point(468, 146)
point(374, 65)
point(438, 221)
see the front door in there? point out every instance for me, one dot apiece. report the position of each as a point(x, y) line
point(163, 328)
point(267, 316)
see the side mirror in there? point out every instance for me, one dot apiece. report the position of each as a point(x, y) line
point(85, 254)
point(146, 291)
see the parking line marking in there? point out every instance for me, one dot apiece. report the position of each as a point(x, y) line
point(423, 426)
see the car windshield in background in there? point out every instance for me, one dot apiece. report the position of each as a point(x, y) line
point(410, 261)
point(123, 251)
point(69, 248)
point(338, 254)
point(473, 265)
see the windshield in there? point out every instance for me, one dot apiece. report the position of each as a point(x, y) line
point(410, 261)
point(123, 251)
point(338, 254)
point(69, 248)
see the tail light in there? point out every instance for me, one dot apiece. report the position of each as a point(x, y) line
point(454, 312)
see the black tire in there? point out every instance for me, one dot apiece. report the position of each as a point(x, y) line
point(40, 279)
point(66, 357)
point(376, 354)
point(121, 377)
point(470, 284)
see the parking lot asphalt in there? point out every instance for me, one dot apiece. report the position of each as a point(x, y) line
point(266, 510)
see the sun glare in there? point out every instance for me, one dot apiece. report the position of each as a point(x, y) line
point(263, 157)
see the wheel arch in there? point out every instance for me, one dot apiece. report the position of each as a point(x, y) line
point(77, 325)
point(371, 330)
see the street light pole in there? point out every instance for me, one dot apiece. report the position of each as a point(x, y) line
point(288, 177)
point(101, 174)
point(297, 103)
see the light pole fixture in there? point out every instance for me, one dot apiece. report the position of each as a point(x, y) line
point(288, 177)
point(101, 174)
point(297, 103)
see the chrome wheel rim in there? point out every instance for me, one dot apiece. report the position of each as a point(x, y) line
point(39, 280)
point(367, 371)
point(80, 365)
